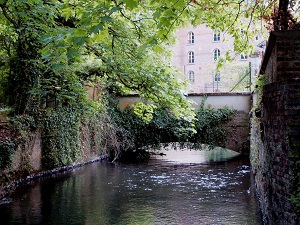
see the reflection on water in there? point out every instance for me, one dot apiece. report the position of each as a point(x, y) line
point(195, 156)
point(162, 191)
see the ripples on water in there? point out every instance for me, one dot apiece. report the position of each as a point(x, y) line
point(159, 192)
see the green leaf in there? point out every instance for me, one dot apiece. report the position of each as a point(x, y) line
point(47, 39)
point(131, 4)
point(59, 38)
point(85, 21)
point(58, 66)
point(95, 29)
point(158, 49)
point(157, 14)
point(114, 9)
point(80, 32)
point(71, 53)
point(101, 36)
point(80, 40)
point(46, 53)
point(66, 12)
point(106, 19)
point(169, 13)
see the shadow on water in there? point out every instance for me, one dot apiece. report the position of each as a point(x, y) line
point(180, 188)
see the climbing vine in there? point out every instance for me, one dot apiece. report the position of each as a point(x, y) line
point(209, 126)
point(13, 133)
point(60, 137)
point(7, 148)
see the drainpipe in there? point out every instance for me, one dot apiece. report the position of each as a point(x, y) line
point(250, 75)
point(212, 73)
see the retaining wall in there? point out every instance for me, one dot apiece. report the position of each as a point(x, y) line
point(275, 128)
point(26, 160)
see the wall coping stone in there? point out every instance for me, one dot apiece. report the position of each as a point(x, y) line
point(202, 94)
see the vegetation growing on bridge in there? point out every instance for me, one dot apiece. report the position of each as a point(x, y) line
point(166, 128)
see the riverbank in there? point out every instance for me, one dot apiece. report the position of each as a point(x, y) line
point(7, 189)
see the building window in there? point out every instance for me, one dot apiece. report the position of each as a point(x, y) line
point(216, 54)
point(191, 76)
point(242, 32)
point(217, 76)
point(243, 57)
point(216, 36)
point(191, 38)
point(191, 57)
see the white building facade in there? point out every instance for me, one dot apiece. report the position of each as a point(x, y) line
point(197, 52)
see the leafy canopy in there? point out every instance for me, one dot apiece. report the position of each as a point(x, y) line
point(126, 41)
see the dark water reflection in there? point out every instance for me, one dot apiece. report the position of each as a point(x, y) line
point(157, 192)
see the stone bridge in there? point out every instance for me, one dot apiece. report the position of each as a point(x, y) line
point(237, 130)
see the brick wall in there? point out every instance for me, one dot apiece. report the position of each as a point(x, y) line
point(275, 130)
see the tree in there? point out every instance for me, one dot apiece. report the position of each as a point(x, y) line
point(127, 40)
point(53, 39)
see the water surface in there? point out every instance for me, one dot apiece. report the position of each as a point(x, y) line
point(182, 188)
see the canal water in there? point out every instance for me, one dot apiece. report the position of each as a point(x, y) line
point(179, 188)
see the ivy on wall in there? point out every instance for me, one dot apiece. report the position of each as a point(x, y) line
point(7, 148)
point(60, 137)
point(209, 126)
point(12, 135)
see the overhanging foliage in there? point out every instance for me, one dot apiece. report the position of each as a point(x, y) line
point(47, 42)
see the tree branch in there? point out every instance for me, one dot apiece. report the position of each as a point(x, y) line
point(283, 14)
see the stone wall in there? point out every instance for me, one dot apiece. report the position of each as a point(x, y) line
point(26, 160)
point(275, 128)
point(28, 154)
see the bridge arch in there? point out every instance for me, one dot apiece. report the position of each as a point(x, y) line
point(237, 130)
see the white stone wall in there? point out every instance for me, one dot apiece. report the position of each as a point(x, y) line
point(240, 102)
